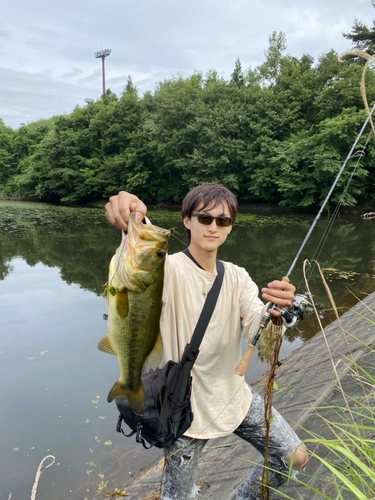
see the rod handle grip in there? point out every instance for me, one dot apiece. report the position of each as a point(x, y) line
point(245, 360)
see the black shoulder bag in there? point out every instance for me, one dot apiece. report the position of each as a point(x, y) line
point(168, 407)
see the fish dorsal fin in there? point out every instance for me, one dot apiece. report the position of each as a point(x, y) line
point(105, 345)
point(153, 360)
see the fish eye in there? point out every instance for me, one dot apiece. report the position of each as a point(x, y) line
point(160, 253)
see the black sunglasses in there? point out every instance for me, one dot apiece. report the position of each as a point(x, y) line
point(206, 219)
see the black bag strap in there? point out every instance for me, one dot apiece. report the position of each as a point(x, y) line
point(191, 349)
point(209, 304)
point(138, 433)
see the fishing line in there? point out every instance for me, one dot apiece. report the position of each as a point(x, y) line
point(185, 244)
point(350, 154)
point(358, 154)
point(300, 304)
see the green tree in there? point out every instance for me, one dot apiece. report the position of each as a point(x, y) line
point(7, 160)
point(339, 86)
point(309, 163)
point(116, 133)
point(168, 137)
point(270, 69)
point(362, 37)
point(27, 137)
point(237, 77)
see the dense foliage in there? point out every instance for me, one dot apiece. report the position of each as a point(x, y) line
point(275, 134)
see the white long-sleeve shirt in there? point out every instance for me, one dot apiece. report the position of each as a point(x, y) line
point(220, 397)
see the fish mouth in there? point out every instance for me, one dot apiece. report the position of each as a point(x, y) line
point(146, 231)
point(146, 223)
point(142, 241)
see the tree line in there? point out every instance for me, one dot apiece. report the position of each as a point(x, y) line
point(275, 134)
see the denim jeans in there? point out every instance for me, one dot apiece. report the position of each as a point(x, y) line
point(183, 456)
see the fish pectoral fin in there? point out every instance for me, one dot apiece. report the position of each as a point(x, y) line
point(153, 360)
point(135, 397)
point(122, 303)
point(105, 345)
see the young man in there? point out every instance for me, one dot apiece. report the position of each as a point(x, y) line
point(222, 402)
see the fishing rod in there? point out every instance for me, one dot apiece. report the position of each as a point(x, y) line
point(297, 311)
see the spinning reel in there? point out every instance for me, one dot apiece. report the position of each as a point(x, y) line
point(298, 310)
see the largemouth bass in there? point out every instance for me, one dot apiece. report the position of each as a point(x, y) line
point(134, 301)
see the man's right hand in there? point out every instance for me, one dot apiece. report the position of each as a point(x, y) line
point(118, 209)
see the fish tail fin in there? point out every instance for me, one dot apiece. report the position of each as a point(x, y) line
point(137, 400)
point(136, 397)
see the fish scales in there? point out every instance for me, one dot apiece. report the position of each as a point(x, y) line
point(142, 316)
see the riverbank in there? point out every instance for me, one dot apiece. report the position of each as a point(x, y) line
point(261, 208)
point(306, 383)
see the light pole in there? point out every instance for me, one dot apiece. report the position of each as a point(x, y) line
point(102, 55)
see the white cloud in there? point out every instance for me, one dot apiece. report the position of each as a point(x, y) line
point(47, 63)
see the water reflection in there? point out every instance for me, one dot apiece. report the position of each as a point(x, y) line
point(53, 265)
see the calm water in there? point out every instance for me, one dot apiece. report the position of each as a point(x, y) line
point(53, 264)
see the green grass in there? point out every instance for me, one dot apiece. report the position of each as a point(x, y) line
point(342, 454)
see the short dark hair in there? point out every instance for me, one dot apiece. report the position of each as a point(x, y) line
point(210, 195)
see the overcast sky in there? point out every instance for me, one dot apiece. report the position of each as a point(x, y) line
point(47, 63)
